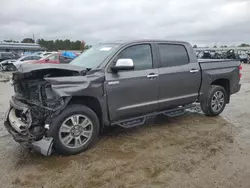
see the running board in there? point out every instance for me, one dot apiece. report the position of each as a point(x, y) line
point(175, 113)
point(140, 120)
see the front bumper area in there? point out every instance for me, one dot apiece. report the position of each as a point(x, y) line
point(17, 136)
point(22, 136)
point(13, 124)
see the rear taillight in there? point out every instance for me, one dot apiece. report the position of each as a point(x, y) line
point(240, 71)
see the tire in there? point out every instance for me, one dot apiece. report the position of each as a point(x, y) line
point(208, 107)
point(59, 129)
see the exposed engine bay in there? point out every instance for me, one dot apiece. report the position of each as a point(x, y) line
point(35, 103)
point(42, 102)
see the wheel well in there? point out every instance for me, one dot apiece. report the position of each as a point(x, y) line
point(90, 102)
point(225, 84)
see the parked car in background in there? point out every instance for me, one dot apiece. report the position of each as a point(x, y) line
point(55, 58)
point(26, 59)
point(8, 65)
point(244, 58)
point(13, 64)
point(8, 55)
point(29, 58)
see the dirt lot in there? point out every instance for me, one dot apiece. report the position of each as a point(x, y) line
point(188, 151)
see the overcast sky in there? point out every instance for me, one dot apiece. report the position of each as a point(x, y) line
point(202, 22)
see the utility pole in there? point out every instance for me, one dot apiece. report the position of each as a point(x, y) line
point(34, 38)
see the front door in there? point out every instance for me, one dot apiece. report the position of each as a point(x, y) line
point(133, 93)
point(179, 77)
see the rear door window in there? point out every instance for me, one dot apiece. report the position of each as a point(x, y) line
point(173, 55)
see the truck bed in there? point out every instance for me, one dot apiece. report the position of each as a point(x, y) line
point(214, 69)
point(211, 64)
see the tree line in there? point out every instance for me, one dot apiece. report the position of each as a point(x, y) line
point(52, 45)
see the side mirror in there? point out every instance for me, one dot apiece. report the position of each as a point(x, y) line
point(46, 60)
point(123, 64)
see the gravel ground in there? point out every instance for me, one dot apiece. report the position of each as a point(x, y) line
point(187, 151)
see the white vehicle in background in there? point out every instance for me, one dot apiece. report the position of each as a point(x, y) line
point(26, 59)
point(8, 64)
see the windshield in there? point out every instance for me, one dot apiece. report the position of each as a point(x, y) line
point(94, 56)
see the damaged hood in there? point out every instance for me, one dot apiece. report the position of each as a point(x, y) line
point(65, 79)
point(26, 68)
point(89, 85)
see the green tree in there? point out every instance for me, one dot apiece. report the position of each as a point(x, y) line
point(244, 45)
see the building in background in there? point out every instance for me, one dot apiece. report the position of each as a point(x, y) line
point(20, 48)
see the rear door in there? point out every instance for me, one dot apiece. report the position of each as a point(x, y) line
point(133, 93)
point(179, 76)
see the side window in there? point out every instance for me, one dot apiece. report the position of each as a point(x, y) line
point(173, 55)
point(36, 58)
point(26, 58)
point(140, 54)
point(53, 57)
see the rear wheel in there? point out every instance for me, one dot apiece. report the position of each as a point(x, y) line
point(74, 130)
point(215, 103)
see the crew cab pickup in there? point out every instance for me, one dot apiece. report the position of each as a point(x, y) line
point(65, 106)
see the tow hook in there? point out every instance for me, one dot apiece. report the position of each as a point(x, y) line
point(43, 146)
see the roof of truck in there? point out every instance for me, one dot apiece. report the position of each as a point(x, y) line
point(143, 41)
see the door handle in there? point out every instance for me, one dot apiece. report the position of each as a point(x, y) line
point(194, 70)
point(152, 75)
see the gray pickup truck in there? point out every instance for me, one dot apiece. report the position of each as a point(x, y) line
point(64, 107)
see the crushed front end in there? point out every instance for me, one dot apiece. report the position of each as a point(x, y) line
point(33, 107)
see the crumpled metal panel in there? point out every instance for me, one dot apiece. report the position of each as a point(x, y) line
point(89, 85)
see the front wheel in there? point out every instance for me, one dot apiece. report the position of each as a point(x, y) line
point(74, 130)
point(215, 103)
